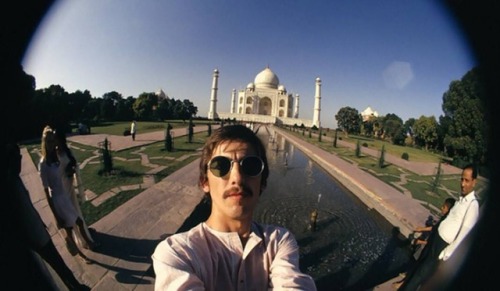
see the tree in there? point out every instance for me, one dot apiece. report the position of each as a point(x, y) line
point(168, 138)
point(91, 111)
point(335, 139)
point(391, 126)
point(466, 136)
point(109, 104)
point(381, 160)
point(77, 102)
point(319, 134)
point(358, 149)
point(145, 106)
point(408, 132)
point(209, 130)
point(124, 111)
point(437, 179)
point(107, 160)
point(367, 126)
point(22, 86)
point(190, 130)
point(189, 108)
point(52, 107)
point(349, 120)
point(426, 132)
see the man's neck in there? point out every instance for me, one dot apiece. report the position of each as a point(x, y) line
point(242, 227)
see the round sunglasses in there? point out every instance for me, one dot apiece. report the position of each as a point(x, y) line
point(251, 166)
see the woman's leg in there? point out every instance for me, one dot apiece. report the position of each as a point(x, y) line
point(73, 247)
point(89, 243)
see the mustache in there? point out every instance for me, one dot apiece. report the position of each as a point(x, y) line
point(246, 191)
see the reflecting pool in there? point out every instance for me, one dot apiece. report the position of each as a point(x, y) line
point(352, 247)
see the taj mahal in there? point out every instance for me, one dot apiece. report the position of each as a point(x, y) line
point(265, 100)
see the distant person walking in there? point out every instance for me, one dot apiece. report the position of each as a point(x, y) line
point(450, 233)
point(133, 129)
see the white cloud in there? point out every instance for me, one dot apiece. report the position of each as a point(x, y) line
point(397, 75)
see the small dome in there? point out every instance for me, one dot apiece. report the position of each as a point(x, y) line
point(266, 79)
point(282, 88)
point(161, 94)
point(251, 86)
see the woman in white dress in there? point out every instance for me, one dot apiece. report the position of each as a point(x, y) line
point(70, 173)
point(59, 199)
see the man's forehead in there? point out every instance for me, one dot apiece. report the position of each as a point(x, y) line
point(467, 172)
point(234, 146)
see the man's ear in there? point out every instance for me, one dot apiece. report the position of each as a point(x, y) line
point(205, 186)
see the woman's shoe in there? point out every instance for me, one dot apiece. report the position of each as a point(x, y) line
point(72, 248)
point(85, 259)
point(93, 246)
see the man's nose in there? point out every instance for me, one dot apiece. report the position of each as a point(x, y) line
point(235, 175)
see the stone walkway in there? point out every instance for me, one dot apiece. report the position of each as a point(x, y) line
point(130, 233)
point(120, 143)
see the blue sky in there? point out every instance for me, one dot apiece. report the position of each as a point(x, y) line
point(394, 56)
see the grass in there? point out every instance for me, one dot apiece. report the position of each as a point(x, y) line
point(419, 186)
point(415, 154)
point(127, 167)
point(129, 171)
point(117, 128)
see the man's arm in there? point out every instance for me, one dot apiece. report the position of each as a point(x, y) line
point(285, 272)
point(172, 271)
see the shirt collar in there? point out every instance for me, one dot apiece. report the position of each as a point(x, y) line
point(468, 197)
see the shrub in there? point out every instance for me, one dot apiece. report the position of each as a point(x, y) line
point(365, 144)
point(405, 156)
point(358, 150)
point(381, 160)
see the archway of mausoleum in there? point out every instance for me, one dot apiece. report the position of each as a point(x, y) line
point(265, 106)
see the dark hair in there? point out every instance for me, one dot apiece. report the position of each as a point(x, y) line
point(63, 143)
point(450, 202)
point(473, 168)
point(239, 133)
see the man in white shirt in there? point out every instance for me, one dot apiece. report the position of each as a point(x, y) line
point(229, 251)
point(451, 232)
point(133, 129)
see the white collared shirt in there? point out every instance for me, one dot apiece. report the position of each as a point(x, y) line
point(205, 259)
point(460, 220)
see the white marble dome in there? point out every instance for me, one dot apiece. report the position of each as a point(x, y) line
point(251, 86)
point(266, 79)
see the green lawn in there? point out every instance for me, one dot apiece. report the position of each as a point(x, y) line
point(129, 171)
point(127, 167)
point(117, 128)
point(415, 154)
point(421, 187)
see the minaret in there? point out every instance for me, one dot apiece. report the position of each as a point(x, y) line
point(212, 113)
point(296, 112)
point(233, 100)
point(317, 104)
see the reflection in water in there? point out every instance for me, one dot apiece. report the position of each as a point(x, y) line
point(352, 247)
